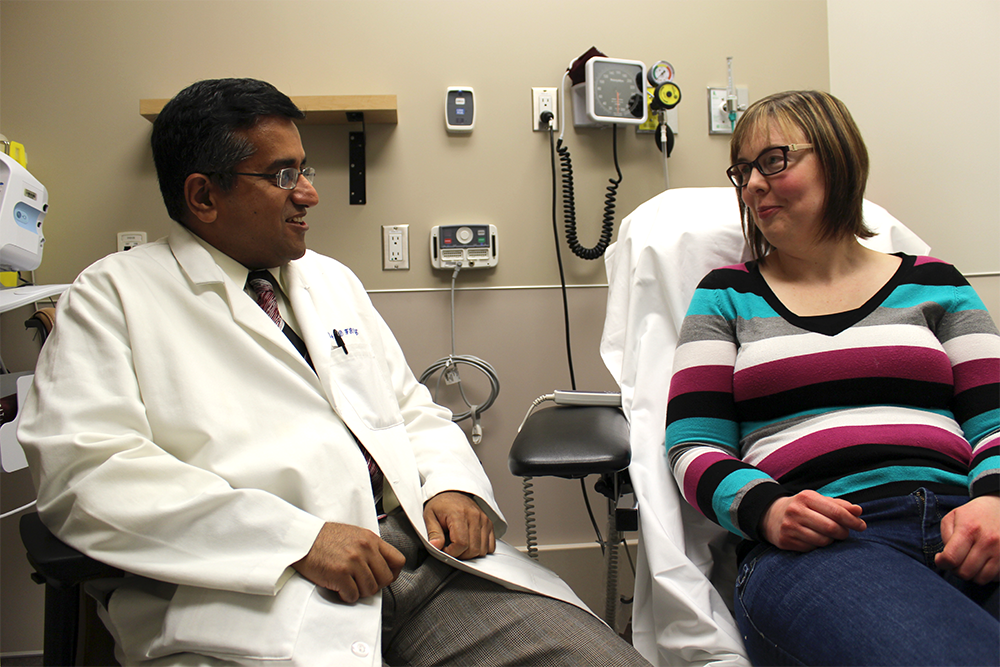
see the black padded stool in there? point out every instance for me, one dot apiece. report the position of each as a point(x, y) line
point(573, 442)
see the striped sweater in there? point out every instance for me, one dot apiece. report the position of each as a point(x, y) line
point(901, 393)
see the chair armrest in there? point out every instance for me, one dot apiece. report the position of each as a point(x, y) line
point(572, 442)
point(55, 562)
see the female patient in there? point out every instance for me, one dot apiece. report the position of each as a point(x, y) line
point(839, 408)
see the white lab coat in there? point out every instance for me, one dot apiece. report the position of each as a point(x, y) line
point(174, 432)
point(664, 248)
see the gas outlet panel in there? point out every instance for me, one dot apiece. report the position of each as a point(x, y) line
point(466, 246)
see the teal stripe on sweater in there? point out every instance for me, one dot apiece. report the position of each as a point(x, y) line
point(873, 478)
point(705, 430)
point(724, 500)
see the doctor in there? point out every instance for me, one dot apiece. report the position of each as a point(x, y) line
point(257, 454)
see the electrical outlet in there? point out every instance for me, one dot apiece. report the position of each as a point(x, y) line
point(395, 247)
point(129, 240)
point(544, 99)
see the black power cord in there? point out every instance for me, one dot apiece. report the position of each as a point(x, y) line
point(546, 117)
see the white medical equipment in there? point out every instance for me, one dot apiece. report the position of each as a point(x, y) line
point(12, 456)
point(663, 250)
point(465, 246)
point(460, 109)
point(24, 202)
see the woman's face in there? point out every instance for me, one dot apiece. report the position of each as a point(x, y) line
point(787, 207)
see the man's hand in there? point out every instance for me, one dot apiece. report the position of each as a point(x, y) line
point(809, 520)
point(457, 526)
point(351, 561)
point(971, 536)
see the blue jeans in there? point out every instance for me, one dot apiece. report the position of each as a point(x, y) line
point(872, 599)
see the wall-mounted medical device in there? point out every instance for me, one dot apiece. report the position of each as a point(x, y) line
point(466, 246)
point(664, 96)
point(613, 91)
point(24, 202)
point(460, 109)
point(725, 106)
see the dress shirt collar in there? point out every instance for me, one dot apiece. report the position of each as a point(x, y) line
point(233, 269)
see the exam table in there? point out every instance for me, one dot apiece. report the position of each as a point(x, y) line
point(663, 250)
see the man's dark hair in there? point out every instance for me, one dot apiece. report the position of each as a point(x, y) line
point(202, 130)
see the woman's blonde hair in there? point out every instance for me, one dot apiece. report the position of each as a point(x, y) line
point(836, 139)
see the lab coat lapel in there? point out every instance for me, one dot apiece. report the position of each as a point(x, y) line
point(358, 387)
point(317, 314)
point(201, 269)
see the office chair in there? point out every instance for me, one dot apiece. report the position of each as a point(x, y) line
point(63, 570)
point(574, 441)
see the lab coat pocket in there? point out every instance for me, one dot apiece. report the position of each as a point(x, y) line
point(364, 381)
point(237, 625)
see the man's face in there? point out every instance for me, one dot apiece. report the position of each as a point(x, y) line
point(259, 224)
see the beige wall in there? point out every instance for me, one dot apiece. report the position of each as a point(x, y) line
point(72, 74)
point(921, 79)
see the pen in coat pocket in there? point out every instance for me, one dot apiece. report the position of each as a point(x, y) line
point(339, 340)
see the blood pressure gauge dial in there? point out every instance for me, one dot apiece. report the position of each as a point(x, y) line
point(660, 73)
point(615, 91)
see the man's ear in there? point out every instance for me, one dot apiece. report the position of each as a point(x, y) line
point(200, 195)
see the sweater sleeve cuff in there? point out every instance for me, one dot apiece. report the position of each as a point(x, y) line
point(985, 485)
point(755, 504)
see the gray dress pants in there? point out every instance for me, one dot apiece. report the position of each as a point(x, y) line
point(436, 615)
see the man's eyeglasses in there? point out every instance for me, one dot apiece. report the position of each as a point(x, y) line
point(286, 179)
point(770, 162)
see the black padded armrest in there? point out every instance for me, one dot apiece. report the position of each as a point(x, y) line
point(571, 441)
point(58, 563)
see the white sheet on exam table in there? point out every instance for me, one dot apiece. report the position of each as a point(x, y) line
point(663, 250)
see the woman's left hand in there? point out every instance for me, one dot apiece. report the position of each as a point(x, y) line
point(971, 536)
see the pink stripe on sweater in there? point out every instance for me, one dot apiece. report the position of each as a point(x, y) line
point(702, 378)
point(736, 267)
point(897, 361)
point(976, 373)
point(696, 469)
point(814, 445)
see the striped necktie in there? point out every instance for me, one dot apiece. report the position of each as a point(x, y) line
point(262, 283)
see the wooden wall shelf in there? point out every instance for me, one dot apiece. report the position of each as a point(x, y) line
point(330, 110)
point(319, 109)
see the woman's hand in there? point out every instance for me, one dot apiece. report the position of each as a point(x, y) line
point(809, 520)
point(971, 536)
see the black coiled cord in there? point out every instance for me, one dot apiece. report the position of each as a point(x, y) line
point(569, 204)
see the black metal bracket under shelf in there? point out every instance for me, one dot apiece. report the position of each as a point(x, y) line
point(356, 159)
